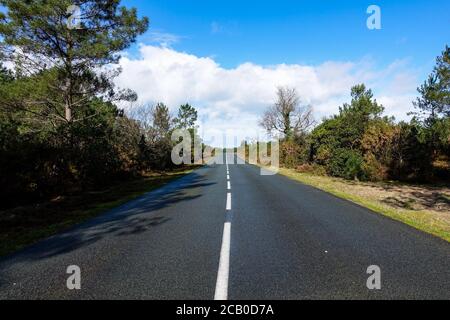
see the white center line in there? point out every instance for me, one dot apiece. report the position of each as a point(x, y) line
point(221, 292)
point(224, 265)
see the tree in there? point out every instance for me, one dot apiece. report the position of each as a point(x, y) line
point(433, 107)
point(75, 62)
point(357, 116)
point(161, 121)
point(186, 120)
point(156, 125)
point(5, 75)
point(434, 100)
point(411, 158)
point(337, 143)
point(60, 129)
point(377, 145)
point(286, 117)
point(187, 117)
point(161, 146)
point(143, 115)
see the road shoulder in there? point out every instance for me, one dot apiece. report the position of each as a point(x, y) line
point(424, 208)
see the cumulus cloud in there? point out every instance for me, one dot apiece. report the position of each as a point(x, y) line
point(232, 100)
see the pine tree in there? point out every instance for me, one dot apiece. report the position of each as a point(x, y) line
point(434, 100)
point(187, 116)
point(74, 57)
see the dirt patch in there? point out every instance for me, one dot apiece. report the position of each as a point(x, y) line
point(414, 197)
point(403, 196)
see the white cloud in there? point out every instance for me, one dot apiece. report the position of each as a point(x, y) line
point(233, 99)
point(164, 39)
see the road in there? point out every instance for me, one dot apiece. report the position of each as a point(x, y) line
point(247, 237)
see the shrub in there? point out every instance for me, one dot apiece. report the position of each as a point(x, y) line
point(373, 169)
point(293, 152)
point(346, 163)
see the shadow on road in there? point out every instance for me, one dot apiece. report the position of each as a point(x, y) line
point(136, 217)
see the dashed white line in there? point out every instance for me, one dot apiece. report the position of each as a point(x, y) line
point(228, 201)
point(221, 292)
point(224, 265)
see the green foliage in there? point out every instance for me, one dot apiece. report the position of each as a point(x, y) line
point(433, 107)
point(60, 130)
point(377, 149)
point(88, 153)
point(162, 121)
point(359, 143)
point(412, 154)
point(337, 142)
point(434, 100)
point(64, 63)
point(187, 117)
point(354, 118)
point(346, 163)
point(157, 125)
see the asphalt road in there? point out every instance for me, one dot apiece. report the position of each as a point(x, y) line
point(256, 237)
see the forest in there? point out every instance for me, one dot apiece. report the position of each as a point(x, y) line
point(62, 128)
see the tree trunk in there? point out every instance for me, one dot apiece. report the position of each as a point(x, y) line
point(68, 113)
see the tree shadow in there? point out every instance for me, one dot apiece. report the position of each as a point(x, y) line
point(399, 203)
point(133, 218)
point(416, 200)
point(411, 196)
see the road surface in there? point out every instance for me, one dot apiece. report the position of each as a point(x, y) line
point(233, 235)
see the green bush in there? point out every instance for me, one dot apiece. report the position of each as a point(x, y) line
point(346, 163)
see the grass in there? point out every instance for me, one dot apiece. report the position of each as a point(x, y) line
point(411, 205)
point(23, 226)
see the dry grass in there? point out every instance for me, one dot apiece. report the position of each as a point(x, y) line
point(424, 207)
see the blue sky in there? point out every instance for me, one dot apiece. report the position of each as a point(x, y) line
point(304, 32)
point(228, 57)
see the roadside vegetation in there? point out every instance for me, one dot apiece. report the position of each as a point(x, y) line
point(362, 155)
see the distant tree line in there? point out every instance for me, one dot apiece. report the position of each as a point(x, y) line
point(61, 130)
point(360, 143)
